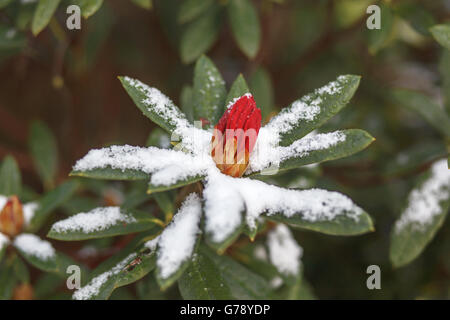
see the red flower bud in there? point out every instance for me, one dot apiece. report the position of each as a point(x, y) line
point(235, 136)
point(11, 217)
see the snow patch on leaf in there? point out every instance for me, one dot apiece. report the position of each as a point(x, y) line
point(3, 201)
point(93, 287)
point(424, 202)
point(34, 246)
point(4, 241)
point(97, 219)
point(29, 209)
point(176, 243)
point(284, 252)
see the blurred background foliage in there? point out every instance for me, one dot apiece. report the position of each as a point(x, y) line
point(64, 83)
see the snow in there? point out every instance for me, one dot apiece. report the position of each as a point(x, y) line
point(93, 287)
point(3, 201)
point(176, 243)
point(268, 153)
point(260, 253)
point(152, 244)
point(33, 245)
point(4, 240)
point(284, 252)
point(258, 197)
point(29, 209)
point(424, 202)
point(97, 219)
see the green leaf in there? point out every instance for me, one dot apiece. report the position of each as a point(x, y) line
point(145, 4)
point(186, 99)
point(203, 280)
point(410, 237)
point(343, 224)
point(160, 188)
point(44, 151)
point(262, 90)
point(11, 40)
point(237, 90)
point(209, 91)
point(329, 104)
point(166, 202)
point(109, 173)
point(221, 246)
point(148, 100)
point(355, 141)
point(245, 26)
point(158, 138)
point(379, 38)
point(441, 33)
point(7, 281)
point(21, 270)
point(199, 36)
point(4, 242)
point(426, 108)
point(444, 67)
point(4, 3)
point(417, 15)
point(191, 9)
point(10, 179)
point(42, 15)
point(135, 222)
point(88, 7)
point(52, 200)
point(44, 263)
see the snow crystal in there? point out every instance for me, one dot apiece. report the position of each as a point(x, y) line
point(34, 246)
point(284, 252)
point(176, 243)
point(258, 197)
point(424, 202)
point(93, 287)
point(95, 220)
point(268, 153)
point(29, 210)
point(4, 240)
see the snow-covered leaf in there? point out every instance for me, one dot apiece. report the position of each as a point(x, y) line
point(103, 222)
point(441, 33)
point(200, 34)
point(88, 7)
point(38, 252)
point(10, 179)
point(42, 15)
point(43, 148)
point(425, 213)
point(209, 91)
point(154, 104)
point(158, 138)
point(191, 9)
point(4, 241)
point(223, 278)
point(7, 281)
point(311, 149)
point(109, 173)
point(426, 108)
point(178, 241)
point(237, 90)
point(48, 203)
point(244, 23)
point(313, 110)
point(152, 188)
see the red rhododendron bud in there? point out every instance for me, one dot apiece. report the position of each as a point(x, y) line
point(235, 136)
point(11, 217)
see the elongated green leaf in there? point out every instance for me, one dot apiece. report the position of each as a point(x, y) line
point(37, 252)
point(20, 270)
point(187, 105)
point(244, 23)
point(160, 188)
point(417, 15)
point(444, 67)
point(441, 33)
point(10, 179)
point(203, 280)
point(7, 281)
point(314, 109)
point(221, 246)
point(145, 4)
point(4, 242)
point(101, 223)
point(166, 202)
point(153, 104)
point(43, 148)
point(4, 3)
point(424, 214)
point(191, 9)
point(88, 7)
point(109, 173)
point(44, 12)
point(209, 91)
point(158, 138)
point(426, 108)
point(345, 224)
point(238, 89)
point(262, 90)
point(355, 141)
point(200, 35)
point(51, 201)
